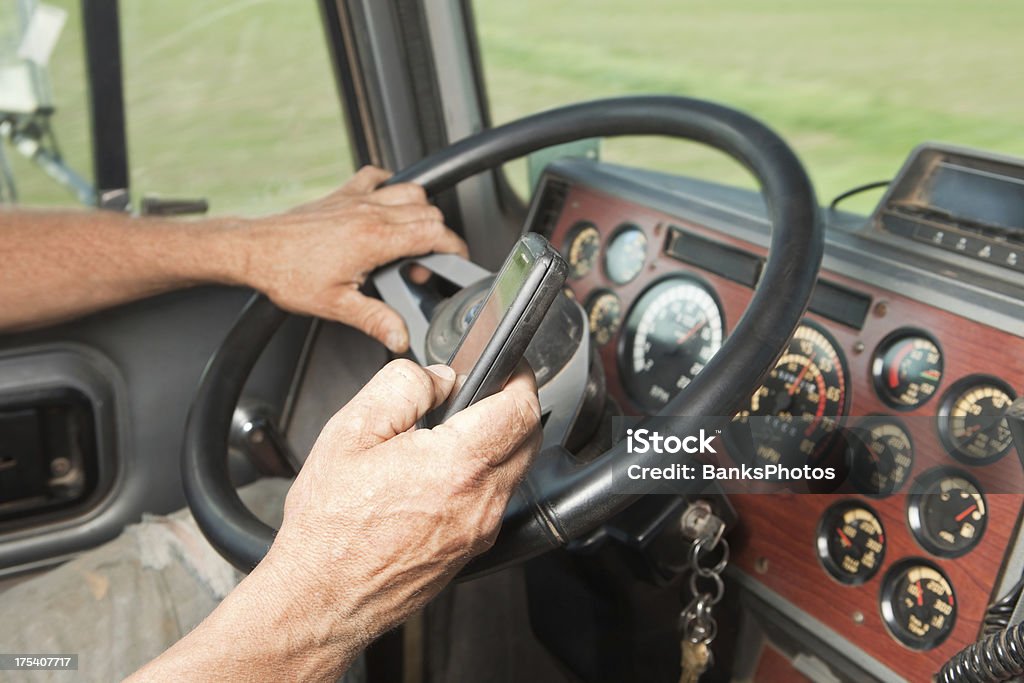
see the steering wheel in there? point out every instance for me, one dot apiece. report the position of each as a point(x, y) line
point(561, 499)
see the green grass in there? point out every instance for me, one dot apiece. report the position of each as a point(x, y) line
point(852, 85)
point(235, 101)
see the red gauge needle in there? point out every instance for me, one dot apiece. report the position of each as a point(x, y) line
point(966, 512)
point(894, 370)
point(920, 595)
point(800, 378)
point(689, 335)
point(844, 538)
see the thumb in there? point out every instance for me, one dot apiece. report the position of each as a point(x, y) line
point(393, 401)
point(374, 317)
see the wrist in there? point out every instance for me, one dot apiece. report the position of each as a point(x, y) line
point(294, 623)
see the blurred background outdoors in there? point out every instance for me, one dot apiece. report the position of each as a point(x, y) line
point(235, 101)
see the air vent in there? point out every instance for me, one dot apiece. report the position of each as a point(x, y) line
point(548, 206)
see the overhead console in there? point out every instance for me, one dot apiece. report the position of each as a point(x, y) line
point(909, 366)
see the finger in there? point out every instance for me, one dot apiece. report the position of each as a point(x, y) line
point(496, 428)
point(402, 193)
point(366, 180)
point(393, 401)
point(409, 213)
point(415, 239)
point(373, 317)
point(418, 274)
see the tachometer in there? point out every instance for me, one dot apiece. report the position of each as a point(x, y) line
point(671, 333)
point(795, 413)
point(972, 422)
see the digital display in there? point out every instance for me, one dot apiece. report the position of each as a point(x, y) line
point(975, 195)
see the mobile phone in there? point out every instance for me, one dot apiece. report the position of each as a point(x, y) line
point(506, 320)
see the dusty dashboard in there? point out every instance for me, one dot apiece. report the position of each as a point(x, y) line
point(915, 358)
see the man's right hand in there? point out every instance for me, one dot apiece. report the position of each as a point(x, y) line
point(383, 515)
point(380, 518)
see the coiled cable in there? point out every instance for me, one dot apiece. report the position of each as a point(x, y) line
point(995, 658)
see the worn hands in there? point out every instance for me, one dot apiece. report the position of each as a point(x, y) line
point(314, 258)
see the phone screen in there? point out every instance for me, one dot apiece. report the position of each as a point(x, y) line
point(491, 311)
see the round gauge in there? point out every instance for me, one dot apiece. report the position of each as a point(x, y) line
point(972, 423)
point(881, 455)
point(671, 333)
point(797, 410)
point(604, 312)
point(907, 370)
point(626, 254)
point(947, 512)
point(851, 542)
point(918, 605)
point(584, 244)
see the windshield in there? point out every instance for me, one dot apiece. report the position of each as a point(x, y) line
point(852, 86)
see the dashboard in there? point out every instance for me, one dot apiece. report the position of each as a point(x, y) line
point(899, 375)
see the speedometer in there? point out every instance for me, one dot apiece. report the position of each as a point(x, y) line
point(794, 414)
point(671, 333)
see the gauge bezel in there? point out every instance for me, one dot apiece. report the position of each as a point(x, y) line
point(878, 363)
point(949, 398)
point(607, 250)
point(821, 542)
point(915, 516)
point(885, 605)
point(830, 441)
point(594, 295)
point(570, 238)
point(867, 423)
point(623, 355)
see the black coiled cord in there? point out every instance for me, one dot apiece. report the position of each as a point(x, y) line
point(995, 658)
point(999, 613)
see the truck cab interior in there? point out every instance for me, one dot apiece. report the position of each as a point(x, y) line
point(683, 159)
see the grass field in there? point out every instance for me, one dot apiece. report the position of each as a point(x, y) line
point(237, 103)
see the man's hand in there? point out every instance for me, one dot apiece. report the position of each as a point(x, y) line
point(314, 258)
point(311, 259)
point(380, 518)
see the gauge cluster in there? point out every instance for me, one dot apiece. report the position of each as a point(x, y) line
point(907, 399)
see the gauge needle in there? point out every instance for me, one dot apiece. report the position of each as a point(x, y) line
point(800, 378)
point(966, 512)
point(689, 335)
point(845, 539)
point(920, 595)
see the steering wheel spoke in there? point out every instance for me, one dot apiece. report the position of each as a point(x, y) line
point(413, 301)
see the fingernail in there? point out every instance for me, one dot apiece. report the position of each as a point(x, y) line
point(395, 341)
point(442, 371)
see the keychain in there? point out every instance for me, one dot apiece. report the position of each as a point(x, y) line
point(697, 626)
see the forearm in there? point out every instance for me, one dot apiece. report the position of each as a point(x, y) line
point(62, 265)
point(273, 626)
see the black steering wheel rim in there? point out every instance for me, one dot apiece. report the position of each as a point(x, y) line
point(561, 499)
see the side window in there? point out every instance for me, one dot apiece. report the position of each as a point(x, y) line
point(45, 151)
point(230, 102)
point(233, 102)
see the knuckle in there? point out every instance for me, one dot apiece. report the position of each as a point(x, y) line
point(414, 192)
point(409, 373)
